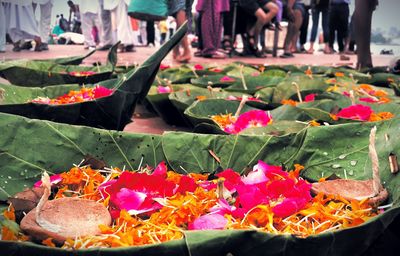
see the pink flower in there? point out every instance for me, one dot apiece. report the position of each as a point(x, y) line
point(252, 118)
point(54, 179)
point(310, 97)
point(369, 100)
point(347, 94)
point(101, 91)
point(164, 66)
point(164, 89)
point(356, 112)
point(209, 221)
point(227, 79)
point(222, 208)
point(198, 67)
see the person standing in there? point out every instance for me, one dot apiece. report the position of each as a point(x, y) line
point(163, 30)
point(3, 27)
point(89, 10)
point(45, 19)
point(362, 21)
point(211, 26)
point(338, 23)
point(319, 7)
point(107, 37)
point(304, 25)
point(151, 33)
point(295, 17)
point(121, 23)
point(22, 23)
point(177, 9)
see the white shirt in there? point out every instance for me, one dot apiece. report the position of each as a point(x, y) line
point(89, 6)
point(42, 1)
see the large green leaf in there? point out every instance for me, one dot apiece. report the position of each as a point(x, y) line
point(112, 112)
point(43, 73)
point(58, 146)
point(162, 105)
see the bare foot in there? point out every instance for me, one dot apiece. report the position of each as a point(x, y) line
point(184, 58)
point(175, 53)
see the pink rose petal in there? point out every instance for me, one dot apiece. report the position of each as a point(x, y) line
point(209, 221)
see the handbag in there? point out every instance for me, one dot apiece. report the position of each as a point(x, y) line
point(148, 10)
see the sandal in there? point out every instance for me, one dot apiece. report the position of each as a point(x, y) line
point(227, 45)
point(254, 49)
point(287, 55)
point(215, 55)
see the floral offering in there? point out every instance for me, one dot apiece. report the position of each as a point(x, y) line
point(84, 94)
point(154, 206)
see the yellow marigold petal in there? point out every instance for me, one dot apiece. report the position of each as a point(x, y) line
point(49, 242)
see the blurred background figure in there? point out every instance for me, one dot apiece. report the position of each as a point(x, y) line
point(3, 27)
point(304, 25)
point(163, 27)
point(90, 11)
point(177, 9)
point(295, 13)
point(121, 24)
point(319, 8)
point(151, 33)
point(263, 11)
point(22, 24)
point(45, 19)
point(338, 23)
point(107, 37)
point(74, 19)
point(210, 26)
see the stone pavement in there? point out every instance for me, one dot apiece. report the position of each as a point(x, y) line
point(143, 120)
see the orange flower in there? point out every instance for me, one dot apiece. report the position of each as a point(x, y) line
point(289, 102)
point(224, 120)
point(339, 74)
point(49, 242)
point(201, 97)
point(314, 123)
point(380, 116)
point(334, 117)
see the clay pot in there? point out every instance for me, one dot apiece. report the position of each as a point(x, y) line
point(68, 217)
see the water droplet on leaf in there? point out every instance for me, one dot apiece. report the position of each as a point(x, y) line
point(335, 166)
point(353, 163)
point(342, 156)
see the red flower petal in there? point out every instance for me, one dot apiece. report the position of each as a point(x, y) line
point(54, 179)
point(101, 91)
point(310, 97)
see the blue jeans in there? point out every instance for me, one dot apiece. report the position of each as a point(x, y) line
point(325, 23)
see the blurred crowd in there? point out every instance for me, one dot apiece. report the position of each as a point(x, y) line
point(220, 27)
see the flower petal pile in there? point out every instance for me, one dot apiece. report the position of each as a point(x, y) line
point(361, 112)
point(84, 94)
point(154, 206)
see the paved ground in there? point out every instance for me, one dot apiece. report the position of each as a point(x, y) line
point(143, 120)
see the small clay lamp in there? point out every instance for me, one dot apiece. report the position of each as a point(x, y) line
point(370, 190)
point(64, 218)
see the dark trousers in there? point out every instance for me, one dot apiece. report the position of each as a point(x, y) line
point(304, 25)
point(150, 32)
point(338, 24)
point(325, 23)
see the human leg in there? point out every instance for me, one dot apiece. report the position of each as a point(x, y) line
point(343, 26)
point(186, 55)
point(87, 24)
point(107, 39)
point(2, 28)
point(45, 20)
point(315, 12)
